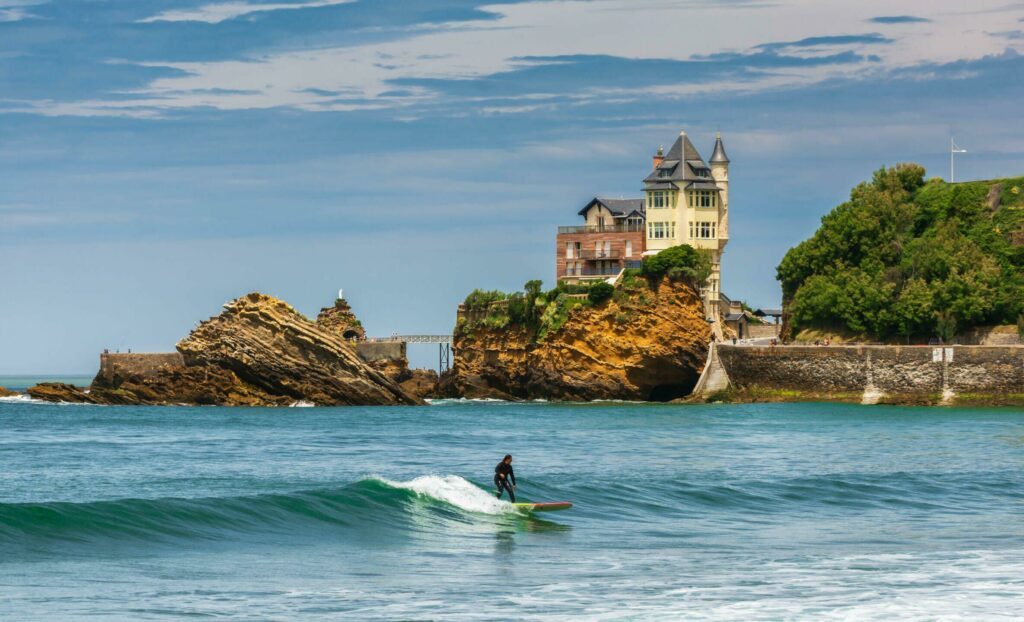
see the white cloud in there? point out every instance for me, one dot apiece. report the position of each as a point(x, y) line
point(216, 13)
point(17, 10)
point(634, 29)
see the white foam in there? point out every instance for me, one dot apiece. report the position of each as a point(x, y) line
point(24, 398)
point(301, 404)
point(466, 400)
point(456, 491)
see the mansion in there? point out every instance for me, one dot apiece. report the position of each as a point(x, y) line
point(686, 201)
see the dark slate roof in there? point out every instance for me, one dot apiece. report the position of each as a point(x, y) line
point(733, 317)
point(764, 312)
point(681, 164)
point(620, 208)
point(719, 155)
point(704, 185)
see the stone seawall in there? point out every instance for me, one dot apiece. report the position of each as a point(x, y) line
point(874, 374)
point(144, 364)
point(371, 351)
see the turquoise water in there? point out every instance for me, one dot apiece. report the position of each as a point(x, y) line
point(737, 512)
point(20, 383)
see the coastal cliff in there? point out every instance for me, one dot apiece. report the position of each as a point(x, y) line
point(647, 341)
point(258, 352)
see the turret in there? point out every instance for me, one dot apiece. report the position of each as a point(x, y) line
point(720, 173)
point(719, 160)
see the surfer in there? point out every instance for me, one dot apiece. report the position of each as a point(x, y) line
point(503, 473)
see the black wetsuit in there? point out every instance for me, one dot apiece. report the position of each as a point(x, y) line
point(503, 482)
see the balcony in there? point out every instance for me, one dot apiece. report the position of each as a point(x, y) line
point(618, 228)
point(593, 271)
point(602, 254)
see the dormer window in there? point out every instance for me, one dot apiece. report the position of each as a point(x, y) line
point(664, 172)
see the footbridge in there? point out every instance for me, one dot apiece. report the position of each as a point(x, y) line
point(444, 346)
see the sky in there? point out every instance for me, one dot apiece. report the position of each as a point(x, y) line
point(160, 158)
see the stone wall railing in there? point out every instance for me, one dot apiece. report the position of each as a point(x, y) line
point(918, 374)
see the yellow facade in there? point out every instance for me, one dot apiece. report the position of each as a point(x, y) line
point(698, 217)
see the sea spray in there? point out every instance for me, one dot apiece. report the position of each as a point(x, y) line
point(456, 491)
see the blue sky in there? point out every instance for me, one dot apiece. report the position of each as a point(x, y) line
point(160, 158)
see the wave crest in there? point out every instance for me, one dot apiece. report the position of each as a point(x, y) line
point(456, 491)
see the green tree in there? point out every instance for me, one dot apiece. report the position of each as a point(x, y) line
point(913, 309)
point(682, 262)
point(901, 254)
point(599, 292)
point(533, 289)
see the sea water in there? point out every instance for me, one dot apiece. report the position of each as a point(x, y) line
point(718, 512)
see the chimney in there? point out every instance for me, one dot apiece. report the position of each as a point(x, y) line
point(659, 157)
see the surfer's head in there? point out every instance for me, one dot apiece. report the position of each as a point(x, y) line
point(508, 459)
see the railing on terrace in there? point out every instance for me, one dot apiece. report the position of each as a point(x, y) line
point(588, 271)
point(623, 228)
point(585, 254)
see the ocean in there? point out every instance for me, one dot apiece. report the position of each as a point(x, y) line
point(709, 512)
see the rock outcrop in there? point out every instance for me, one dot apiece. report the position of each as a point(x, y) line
point(419, 382)
point(647, 343)
point(269, 345)
point(258, 352)
point(6, 393)
point(341, 321)
point(60, 392)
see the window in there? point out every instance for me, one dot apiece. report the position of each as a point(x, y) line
point(704, 230)
point(703, 198)
point(661, 198)
point(661, 230)
point(568, 250)
point(629, 248)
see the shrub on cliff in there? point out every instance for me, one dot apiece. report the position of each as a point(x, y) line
point(911, 258)
point(480, 299)
point(599, 292)
point(679, 263)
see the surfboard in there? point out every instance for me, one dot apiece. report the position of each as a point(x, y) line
point(552, 506)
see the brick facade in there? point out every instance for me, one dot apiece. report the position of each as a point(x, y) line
point(590, 260)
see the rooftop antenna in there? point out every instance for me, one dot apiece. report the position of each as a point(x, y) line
point(953, 150)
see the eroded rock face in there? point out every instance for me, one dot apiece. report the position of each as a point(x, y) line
point(6, 393)
point(205, 385)
point(258, 352)
point(341, 321)
point(419, 382)
point(60, 392)
point(650, 345)
point(270, 346)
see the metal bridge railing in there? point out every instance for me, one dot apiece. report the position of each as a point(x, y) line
point(411, 339)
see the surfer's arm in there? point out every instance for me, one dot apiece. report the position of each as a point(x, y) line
point(512, 475)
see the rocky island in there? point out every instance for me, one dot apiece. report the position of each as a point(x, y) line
point(258, 352)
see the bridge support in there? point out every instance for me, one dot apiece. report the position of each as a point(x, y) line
point(444, 357)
